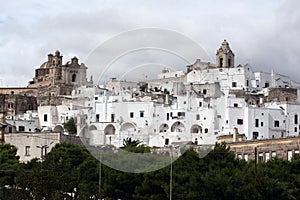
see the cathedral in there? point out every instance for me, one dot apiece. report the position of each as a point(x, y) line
point(55, 80)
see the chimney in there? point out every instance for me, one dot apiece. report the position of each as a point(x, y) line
point(235, 134)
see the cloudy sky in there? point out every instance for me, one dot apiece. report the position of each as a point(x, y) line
point(264, 34)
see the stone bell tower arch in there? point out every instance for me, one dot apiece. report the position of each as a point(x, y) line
point(225, 56)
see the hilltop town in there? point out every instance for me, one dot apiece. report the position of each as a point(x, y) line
point(202, 104)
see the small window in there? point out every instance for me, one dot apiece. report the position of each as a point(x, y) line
point(197, 117)
point(141, 114)
point(234, 84)
point(276, 123)
point(21, 128)
point(206, 130)
point(204, 91)
point(97, 117)
point(255, 135)
point(296, 119)
point(261, 123)
point(74, 78)
point(167, 141)
point(200, 104)
point(267, 84)
point(27, 150)
point(260, 157)
point(112, 116)
point(256, 122)
point(235, 105)
point(45, 117)
point(96, 98)
point(289, 155)
point(247, 82)
point(267, 156)
point(131, 114)
point(181, 114)
point(240, 121)
point(295, 129)
point(262, 114)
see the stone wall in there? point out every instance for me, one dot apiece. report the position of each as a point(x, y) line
point(266, 148)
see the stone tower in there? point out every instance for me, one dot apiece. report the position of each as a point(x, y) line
point(224, 56)
point(55, 80)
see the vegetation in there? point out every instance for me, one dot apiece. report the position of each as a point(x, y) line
point(70, 172)
point(70, 126)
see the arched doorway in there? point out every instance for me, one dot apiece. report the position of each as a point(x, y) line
point(196, 129)
point(110, 130)
point(163, 128)
point(178, 127)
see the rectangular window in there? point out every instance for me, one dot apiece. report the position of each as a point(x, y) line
point(289, 155)
point(233, 84)
point(247, 82)
point(235, 105)
point(200, 104)
point(296, 119)
point(276, 123)
point(239, 121)
point(45, 117)
point(167, 141)
point(295, 129)
point(197, 117)
point(261, 157)
point(261, 123)
point(131, 115)
point(246, 157)
point(141, 114)
point(274, 154)
point(181, 114)
point(21, 128)
point(204, 91)
point(256, 122)
point(27, 150)
point(168, 116)
point(97, 117)
point(255, 135)
point(267, 85)
point(267, 156)
point(112, 116)
point(206, 130)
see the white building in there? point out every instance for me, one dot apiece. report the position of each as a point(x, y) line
point(206, 101)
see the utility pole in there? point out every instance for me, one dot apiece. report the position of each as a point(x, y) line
point(255, 165)
point(42, 147)
point(171, 172)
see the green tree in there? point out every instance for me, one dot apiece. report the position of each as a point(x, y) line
point(9, 165)
point(70, 126)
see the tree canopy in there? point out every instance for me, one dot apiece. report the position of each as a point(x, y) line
point(70, 172)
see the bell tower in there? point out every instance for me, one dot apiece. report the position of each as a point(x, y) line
point(224, 56)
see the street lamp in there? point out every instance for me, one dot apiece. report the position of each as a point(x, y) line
point(100, 169)
point(171, 168)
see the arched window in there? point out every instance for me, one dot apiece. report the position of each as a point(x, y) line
point(221, 62)
point(74, 78)
point(229, 62)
